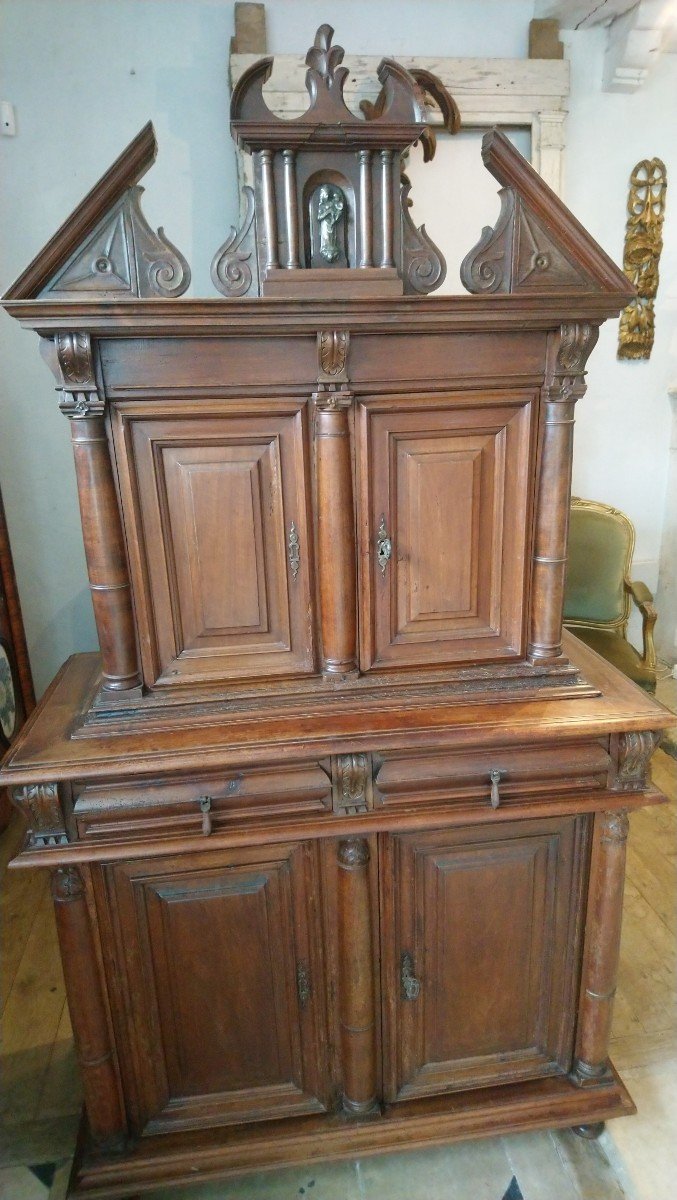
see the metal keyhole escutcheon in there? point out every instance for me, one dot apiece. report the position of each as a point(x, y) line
point(384, 546)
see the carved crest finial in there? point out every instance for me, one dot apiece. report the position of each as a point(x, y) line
point(324, 60)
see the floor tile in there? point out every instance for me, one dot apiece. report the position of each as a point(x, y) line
point(588, 1166)
point(464, 1171)
point(38, 1141)
point(538, 1167)
point(19, 1183)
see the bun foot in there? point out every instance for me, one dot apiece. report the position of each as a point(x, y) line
point(589, 1132)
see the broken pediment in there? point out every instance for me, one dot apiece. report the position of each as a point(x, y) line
point(106, 249)
point(537, 245)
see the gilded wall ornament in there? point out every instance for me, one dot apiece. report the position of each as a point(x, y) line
point(643, 245)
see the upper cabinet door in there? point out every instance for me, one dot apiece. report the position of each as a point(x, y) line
point(215, 509)
point(444, 516)
point(480, 954)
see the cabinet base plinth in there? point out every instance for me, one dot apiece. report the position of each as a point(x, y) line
point(183, 1158)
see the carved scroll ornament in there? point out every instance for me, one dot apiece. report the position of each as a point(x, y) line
point(423, 265)
point(235, 266)
point(643, 245)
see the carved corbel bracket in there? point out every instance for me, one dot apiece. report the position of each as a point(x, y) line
point(576, 342)
point(41, 806)
point(332, 391)
point(70, 359)
point(633, 754)
point(332, 356)
point(352, 790)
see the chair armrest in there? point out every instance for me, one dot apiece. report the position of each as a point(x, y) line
point(643, 598)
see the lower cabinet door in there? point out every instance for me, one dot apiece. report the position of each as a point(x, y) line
point(216, 975)
point(481, 945)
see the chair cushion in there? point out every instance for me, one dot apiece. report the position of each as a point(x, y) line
point(619, 652)
point(598, 554)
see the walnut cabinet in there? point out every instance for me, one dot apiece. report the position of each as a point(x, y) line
point(336, 819)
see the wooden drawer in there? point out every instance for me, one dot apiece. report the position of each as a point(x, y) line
point(521, 772)
point(176, 808)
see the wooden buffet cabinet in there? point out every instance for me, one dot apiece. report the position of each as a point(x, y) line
point(336, 821)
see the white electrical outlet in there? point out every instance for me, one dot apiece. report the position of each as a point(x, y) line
point(7, 119)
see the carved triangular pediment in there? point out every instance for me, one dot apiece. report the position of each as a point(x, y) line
point(102, 266)
point(537, 245)
point(106, 248)
point(122, 257)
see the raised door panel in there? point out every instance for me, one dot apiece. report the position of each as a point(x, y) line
point(446, 479)
point(216, 507)
point(481, 946)
point(220, 973)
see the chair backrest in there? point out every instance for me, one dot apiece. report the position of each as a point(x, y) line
point(601, 545)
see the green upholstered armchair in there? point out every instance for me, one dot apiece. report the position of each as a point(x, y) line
point(599, 590)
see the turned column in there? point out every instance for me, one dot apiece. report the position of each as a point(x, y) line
point(602, 945)
point(565, 384)
point(265, 158)
point(335, 515)
point(356, 978)
point(387, 212)
point(105, 1111)
point(101, 523)
point(366, 210)
point(290, 209)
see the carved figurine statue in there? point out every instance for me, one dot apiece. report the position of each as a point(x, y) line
point(329, 209)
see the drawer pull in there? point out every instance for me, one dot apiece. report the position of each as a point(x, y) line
point(411, 986)
point(384, 546)
point(205, 803)
point(495, 777)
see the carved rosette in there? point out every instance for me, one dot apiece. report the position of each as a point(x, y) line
point(235, 266)
point(80, 395)
point(41, 807)
point(352, 784)
point(634, 753)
